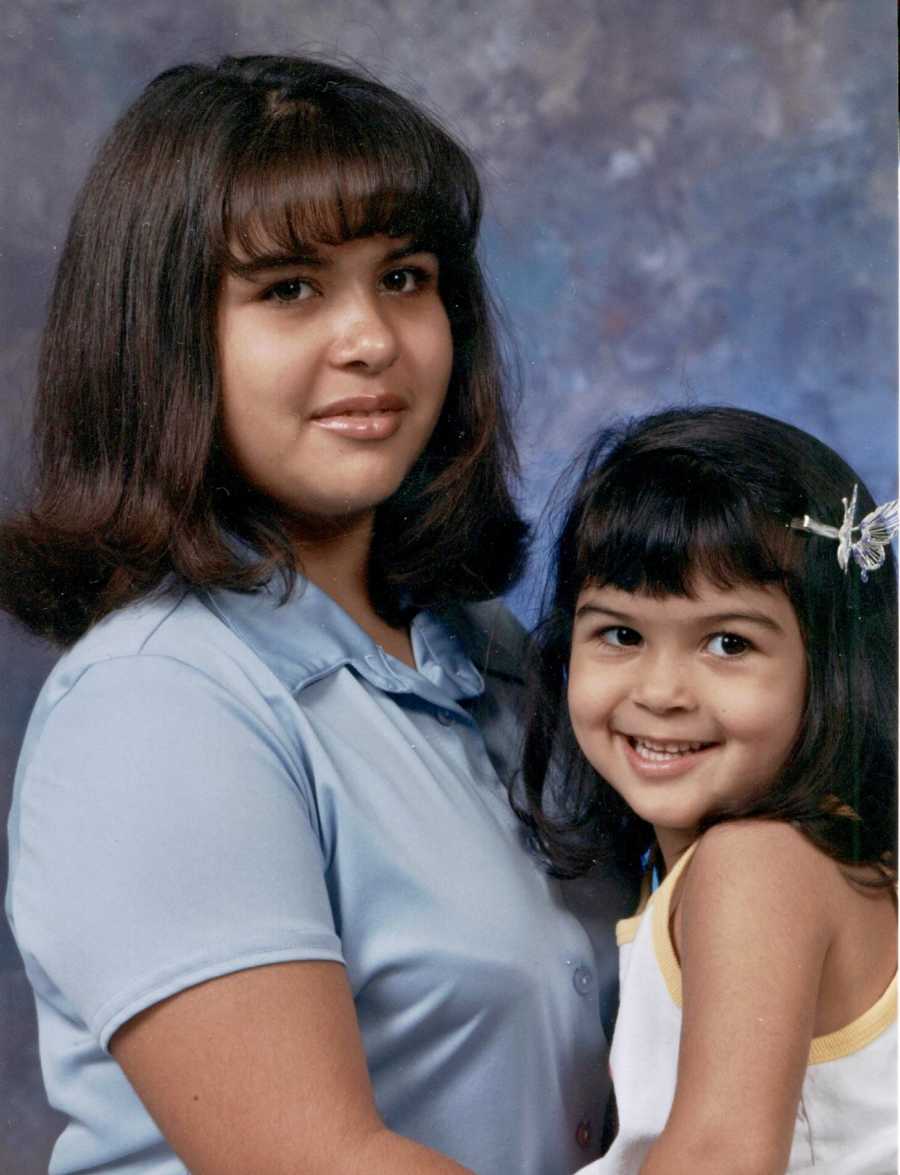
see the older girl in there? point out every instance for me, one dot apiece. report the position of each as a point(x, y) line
point(264, 877)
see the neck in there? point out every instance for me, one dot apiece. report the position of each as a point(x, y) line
point(673, 844)
point(336, 559)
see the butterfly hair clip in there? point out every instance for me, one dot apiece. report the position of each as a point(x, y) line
point(875, 532)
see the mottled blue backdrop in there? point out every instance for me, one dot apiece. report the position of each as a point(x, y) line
point(686, 202)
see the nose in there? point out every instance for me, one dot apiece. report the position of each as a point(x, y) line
point(364, 337)
point(663, 685)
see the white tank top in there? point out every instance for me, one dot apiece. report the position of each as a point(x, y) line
point(847, 1117)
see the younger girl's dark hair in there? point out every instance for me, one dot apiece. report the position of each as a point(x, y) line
point(710, 492)
point(210, 168)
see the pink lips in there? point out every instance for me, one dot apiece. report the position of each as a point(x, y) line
point(365, 418)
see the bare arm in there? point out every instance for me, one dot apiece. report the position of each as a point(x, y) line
point(754, 931)
point(264, 1071)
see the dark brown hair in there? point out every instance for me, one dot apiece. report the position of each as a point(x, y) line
point(711, 492)
point(132, 484)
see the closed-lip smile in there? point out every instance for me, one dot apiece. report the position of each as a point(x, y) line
point(372, 417)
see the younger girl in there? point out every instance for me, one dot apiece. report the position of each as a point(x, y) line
point(724, 634)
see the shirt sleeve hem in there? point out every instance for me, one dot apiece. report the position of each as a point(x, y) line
point(117, 1012)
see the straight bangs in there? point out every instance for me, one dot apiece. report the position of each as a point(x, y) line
point(335, 168)
point(252, 163)
point(659, 530)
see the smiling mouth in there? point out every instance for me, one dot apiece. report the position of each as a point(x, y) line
point(358, 412)
point(372, 404)
point(668, 751)
point(362, 417)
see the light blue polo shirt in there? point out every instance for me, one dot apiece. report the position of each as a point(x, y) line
point(212, 781)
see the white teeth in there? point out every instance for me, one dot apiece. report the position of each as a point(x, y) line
point(663, 752)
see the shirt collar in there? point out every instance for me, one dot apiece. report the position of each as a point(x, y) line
point(308, 636)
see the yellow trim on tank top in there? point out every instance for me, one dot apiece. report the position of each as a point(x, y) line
point(831, 1047)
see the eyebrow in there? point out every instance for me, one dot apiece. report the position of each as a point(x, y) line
point(266, 262)
point(751, 616)
point(310, 259)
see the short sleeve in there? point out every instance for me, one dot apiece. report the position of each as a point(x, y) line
point(167, 836)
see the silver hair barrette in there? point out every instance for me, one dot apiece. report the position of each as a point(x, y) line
point(875, 532)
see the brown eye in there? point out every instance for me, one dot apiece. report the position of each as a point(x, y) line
point(621, 637)
point(728, 644)
point(406, 280)
point(293, 289)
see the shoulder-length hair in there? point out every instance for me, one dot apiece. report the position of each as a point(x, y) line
point(257, 155)
point(711, 492)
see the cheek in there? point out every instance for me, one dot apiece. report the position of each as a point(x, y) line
point(434, 350)
point(769, 713)
point(262, 404)
point(235, 390)
point(588, 696)
point(790, 716)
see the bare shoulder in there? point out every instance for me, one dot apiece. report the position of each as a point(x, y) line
point(763, 849)
point(752, 932)
point(760, 893)
point(764, 872)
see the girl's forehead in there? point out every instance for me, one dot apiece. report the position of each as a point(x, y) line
point(267, 237)
point(362, 252)
point(272, 228)
point(705, 599)
point(295, 202)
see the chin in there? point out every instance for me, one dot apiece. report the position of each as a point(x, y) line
point(322, 503)
point(333, 517)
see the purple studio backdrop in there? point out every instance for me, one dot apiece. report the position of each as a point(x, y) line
point(686, 203)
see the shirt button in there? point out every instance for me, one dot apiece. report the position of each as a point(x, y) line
point(582, 980)
point(444, 717)
point(583, 1133)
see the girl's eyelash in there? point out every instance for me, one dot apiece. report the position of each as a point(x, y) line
point(285, 291)
point(420, 275)
point(745, 644)
point(625, 637)
point(622, 636)
point(275, 292)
